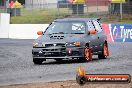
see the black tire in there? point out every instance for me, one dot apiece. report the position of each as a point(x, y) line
point(81, 59)
point(81, 80)
point(105, 52)
point(37, 61)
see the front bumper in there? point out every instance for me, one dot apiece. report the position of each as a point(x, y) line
point(57, 52)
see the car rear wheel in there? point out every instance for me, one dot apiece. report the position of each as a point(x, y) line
point(37, 61)
point(105, 52)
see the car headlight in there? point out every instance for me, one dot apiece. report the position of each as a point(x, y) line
point(35, 44)
point(77, 43)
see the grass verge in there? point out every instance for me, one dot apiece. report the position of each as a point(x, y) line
point(44, 16)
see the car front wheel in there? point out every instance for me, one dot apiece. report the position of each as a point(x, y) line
point(37, 61)
point(87, 54)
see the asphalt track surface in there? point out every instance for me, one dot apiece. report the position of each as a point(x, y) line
point(16, 66)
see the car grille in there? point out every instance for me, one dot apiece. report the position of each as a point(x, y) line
point(57, 44)
point(56, 37)
point(56, 50)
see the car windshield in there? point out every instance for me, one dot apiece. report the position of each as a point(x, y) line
point(66, 27)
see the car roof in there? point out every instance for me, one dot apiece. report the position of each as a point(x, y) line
point(77, 19)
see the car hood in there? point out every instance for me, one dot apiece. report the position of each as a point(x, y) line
point(61, 38)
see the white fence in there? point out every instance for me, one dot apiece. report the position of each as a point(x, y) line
point(4, 25)
point(19, 31)
point(25, 31)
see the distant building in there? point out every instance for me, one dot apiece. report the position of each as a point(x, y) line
point(34, 3)
point(41, 3)
point(53, 3)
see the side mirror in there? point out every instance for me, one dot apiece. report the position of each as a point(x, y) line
point(40, 32)
point(93, 31)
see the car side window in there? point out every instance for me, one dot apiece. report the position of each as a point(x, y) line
point(97, 25)
point(90, 25)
